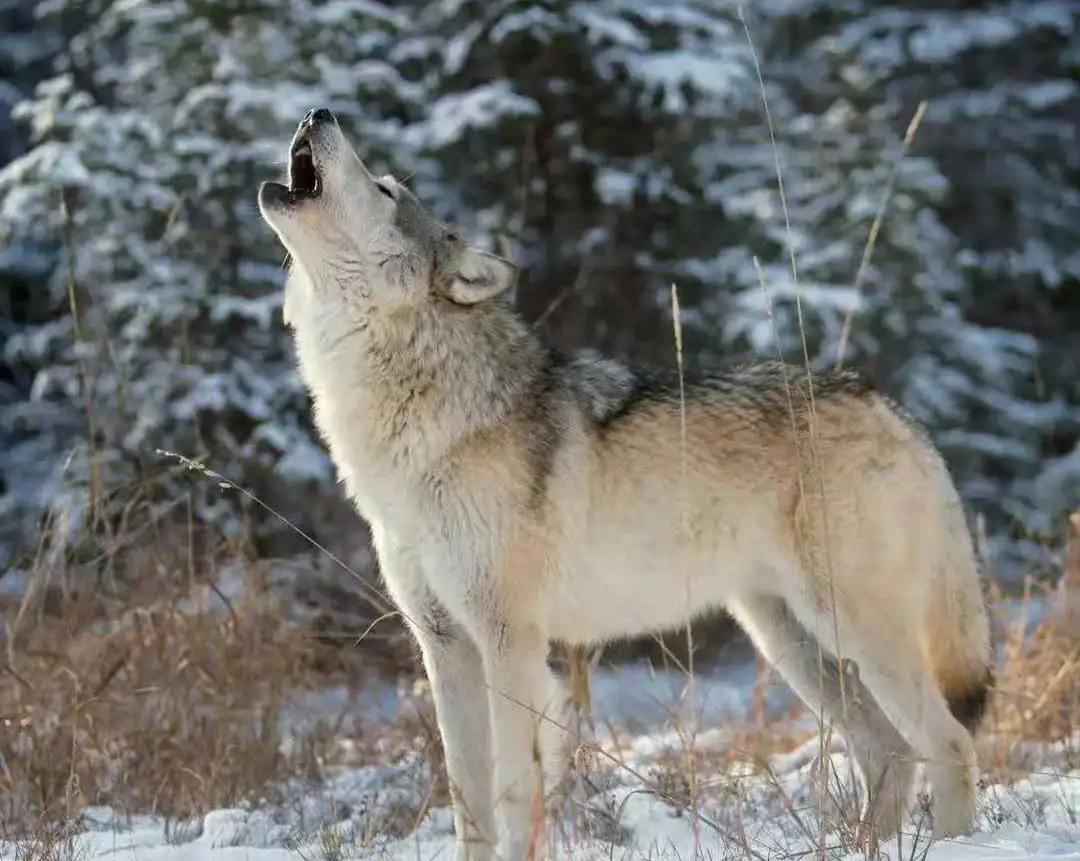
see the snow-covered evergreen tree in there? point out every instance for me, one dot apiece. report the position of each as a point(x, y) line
point(27, 48)
point(581, 131)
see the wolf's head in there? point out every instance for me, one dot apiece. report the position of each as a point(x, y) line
point(368, 237)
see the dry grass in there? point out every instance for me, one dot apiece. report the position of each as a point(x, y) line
point(166, 700)
point(50, 840)
point(1036, 703)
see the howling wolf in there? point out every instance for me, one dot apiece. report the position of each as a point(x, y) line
point(516, 496)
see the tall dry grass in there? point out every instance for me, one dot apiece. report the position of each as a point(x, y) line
point(166, 693)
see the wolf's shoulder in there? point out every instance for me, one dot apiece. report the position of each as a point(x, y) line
point(608, 390)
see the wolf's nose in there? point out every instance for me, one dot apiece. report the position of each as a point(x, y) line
point(318, 117)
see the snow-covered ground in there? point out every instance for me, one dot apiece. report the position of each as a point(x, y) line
point(743, 812)
point(369, 813)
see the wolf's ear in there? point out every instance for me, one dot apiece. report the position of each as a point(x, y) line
point(477, 276)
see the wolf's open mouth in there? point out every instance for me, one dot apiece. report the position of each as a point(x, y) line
point(304, 180)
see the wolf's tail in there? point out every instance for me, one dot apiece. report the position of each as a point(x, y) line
point(957, 634)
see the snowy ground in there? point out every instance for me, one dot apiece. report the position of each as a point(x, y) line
point(380, 812)
point(363, 812)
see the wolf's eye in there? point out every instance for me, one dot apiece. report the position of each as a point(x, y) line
point(386, 191)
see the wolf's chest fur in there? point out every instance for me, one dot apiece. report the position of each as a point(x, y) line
point(405, 427)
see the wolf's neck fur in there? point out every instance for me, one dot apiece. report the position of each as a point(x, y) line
point(396, 389)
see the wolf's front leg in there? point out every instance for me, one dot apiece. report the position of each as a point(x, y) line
point(455, 671)
point(456, 674)
point(528, 731)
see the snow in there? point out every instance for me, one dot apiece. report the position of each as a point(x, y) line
point(718, 78)
point(744, 813)
point(615, 186)
point(453, 115)
point(529, 20)
point(341, 12)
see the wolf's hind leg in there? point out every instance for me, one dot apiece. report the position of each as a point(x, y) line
point(882, 753)
point(882, 640)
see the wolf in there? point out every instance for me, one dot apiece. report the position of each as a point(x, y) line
point(517, 496)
